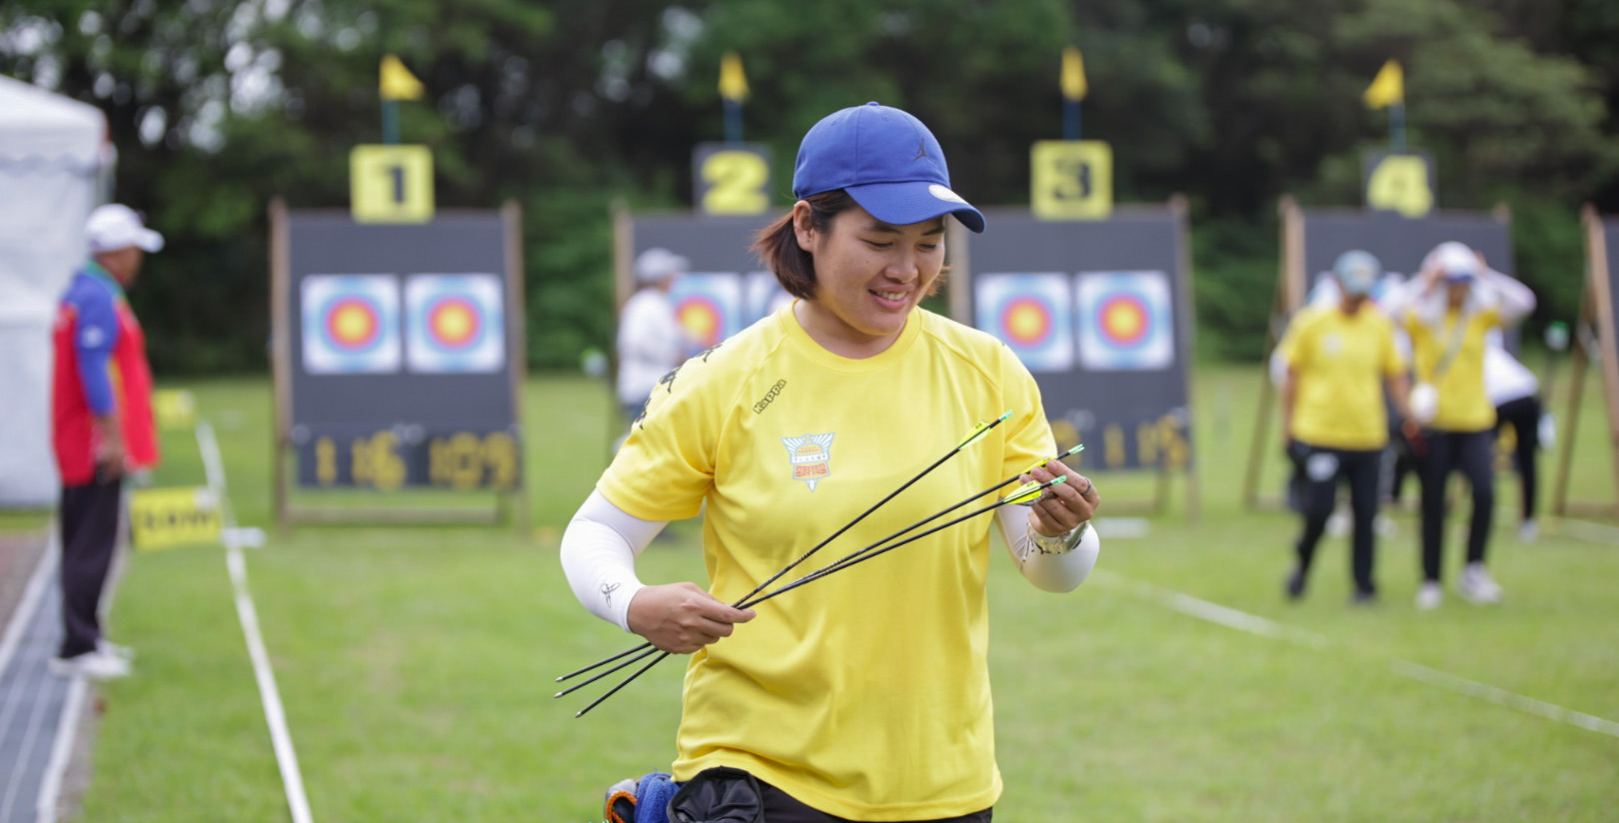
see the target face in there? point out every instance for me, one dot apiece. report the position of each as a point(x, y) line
point(1030, 314)
point(1125, 321)
point(454, 323)
point(709, 305)
point(350, 323)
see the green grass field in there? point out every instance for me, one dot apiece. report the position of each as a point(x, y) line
point(416, 664)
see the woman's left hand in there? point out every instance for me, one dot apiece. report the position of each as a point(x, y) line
point(1065, 505)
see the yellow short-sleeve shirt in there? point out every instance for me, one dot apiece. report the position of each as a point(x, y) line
point(865, 695)
point(1341, 362)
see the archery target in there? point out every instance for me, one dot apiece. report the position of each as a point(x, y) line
point(1030, 314)
point(765, 296)
point(709, 305)
point(454, 323)
point(350, 323)
point(1125, 321)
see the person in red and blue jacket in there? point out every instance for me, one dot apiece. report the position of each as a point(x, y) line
point(102, 428)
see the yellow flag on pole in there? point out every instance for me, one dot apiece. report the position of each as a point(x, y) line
point(1073, 74)
point(396, 82)
point(1387, 88)
point(733, 83)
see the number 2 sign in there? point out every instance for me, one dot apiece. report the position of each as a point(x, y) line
point(391, 184)
point(731, 178)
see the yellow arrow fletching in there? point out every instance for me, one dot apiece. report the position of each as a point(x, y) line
point(978, 431)
point(1029, 493)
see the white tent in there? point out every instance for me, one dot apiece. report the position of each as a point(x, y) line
point(52, 151)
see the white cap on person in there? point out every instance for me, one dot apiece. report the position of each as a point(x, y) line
point(658, 264)
point(115, 226)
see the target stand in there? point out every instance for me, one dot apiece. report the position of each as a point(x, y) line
point(398, 358)
point(1099, 312)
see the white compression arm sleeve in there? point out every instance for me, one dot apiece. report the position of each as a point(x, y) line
point(598, 556)
point(1049, 572)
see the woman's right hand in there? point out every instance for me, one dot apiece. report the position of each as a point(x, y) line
point(681, 617)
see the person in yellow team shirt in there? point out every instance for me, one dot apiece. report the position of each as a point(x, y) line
point(1339, 358)
point(865, 696)
point(1448, 308)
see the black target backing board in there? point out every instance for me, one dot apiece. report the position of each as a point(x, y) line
point(398, 350)
point(1398, 243)
point(1100, 312)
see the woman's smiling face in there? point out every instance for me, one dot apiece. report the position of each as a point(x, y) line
point(869, 275)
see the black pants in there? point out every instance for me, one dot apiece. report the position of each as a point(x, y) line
point(1524, 416)
point(89, 518)
point(1473, 454)
point(781, 807)
point(1321, 469)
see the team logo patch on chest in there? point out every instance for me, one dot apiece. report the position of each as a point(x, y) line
point(810, 456)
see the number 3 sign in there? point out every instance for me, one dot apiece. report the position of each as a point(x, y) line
point(391, 184)
point(1071, 179)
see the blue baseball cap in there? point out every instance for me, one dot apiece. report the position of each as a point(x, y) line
point(887, 161)
point(1357, 271)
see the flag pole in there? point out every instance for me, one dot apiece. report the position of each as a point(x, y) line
point(390, 122)
point(1397, 126)
point(1073, 91)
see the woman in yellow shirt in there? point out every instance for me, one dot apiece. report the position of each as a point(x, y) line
point(1448, 308)
point(865, 697)
point(1339, 359)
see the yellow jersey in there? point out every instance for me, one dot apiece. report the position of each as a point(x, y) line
point(1340, 363)
point(1463, 405)
point(865, 695)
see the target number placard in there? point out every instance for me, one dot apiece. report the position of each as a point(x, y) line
point(391, 184)
point(1401, 183)
point(731, 178)
point(1071, 179)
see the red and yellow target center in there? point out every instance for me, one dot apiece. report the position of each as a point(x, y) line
point(352, 323)
point(1124, 320)
point(701, 320)
point(454, 322)
point(1028, 321)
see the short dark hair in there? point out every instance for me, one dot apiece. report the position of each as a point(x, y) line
point(776, 245)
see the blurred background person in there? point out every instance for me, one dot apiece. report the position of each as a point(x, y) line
point(1448, 309)
point(102, 428)
point(1339, 358)
point(651, 340)
point(1514, 391)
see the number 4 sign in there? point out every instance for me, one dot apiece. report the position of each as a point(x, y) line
point(1398, 182)
point(391, 184)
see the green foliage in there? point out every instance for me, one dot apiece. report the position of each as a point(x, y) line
point(568, 106)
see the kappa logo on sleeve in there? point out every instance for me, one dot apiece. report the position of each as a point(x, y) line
point(770, 397)
point(810, 456)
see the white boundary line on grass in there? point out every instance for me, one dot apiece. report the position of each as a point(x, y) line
point(1265, 627)
point(1584, 530)
point(274, 715)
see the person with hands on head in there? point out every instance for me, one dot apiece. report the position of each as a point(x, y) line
point(1339, 360)
point(1448, 309)
point(865, 696)
point(102, 428)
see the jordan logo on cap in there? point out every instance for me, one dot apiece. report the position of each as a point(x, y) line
point(921, 150)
